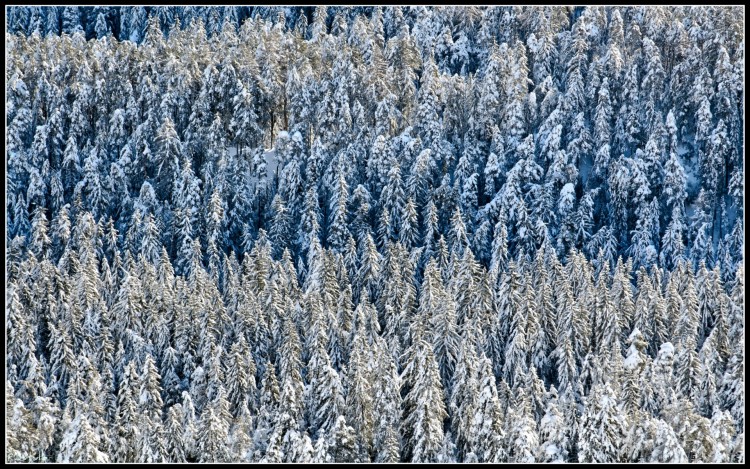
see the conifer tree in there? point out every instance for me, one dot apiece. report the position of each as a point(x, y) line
point(423, 406)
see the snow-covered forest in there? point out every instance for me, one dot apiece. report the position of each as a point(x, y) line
point(416, 234)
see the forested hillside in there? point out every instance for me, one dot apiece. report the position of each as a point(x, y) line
point(416, 234)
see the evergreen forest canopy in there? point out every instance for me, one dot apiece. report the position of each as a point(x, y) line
point(417, 234)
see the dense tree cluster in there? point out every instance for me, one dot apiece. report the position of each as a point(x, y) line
point(375, 234)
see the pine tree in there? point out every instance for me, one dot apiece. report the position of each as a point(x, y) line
point(369, 270)
point(175, 445)
point(554, 442)
point(126, 422)
point(338, 231)
point(86, 446)
point(423, 406)
point(240, 434)
point(340, 444)
point(522, 438)
point(240, 376)
point(438, 308)
point(722, 431)
point(280, 229)
point(292, 387)
point(514, 363)
point(21, 431)
point(408, 234)
point(666, 445)
point(487, 423)
point(150, 445)
point(166, 158)
point(325, 399)
point(602, 427)
point(359, 402)
point(71, 21)
point(213, 431)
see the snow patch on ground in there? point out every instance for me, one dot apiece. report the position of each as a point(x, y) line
point(693, 181)
point(584, 169)
point(272, 164)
